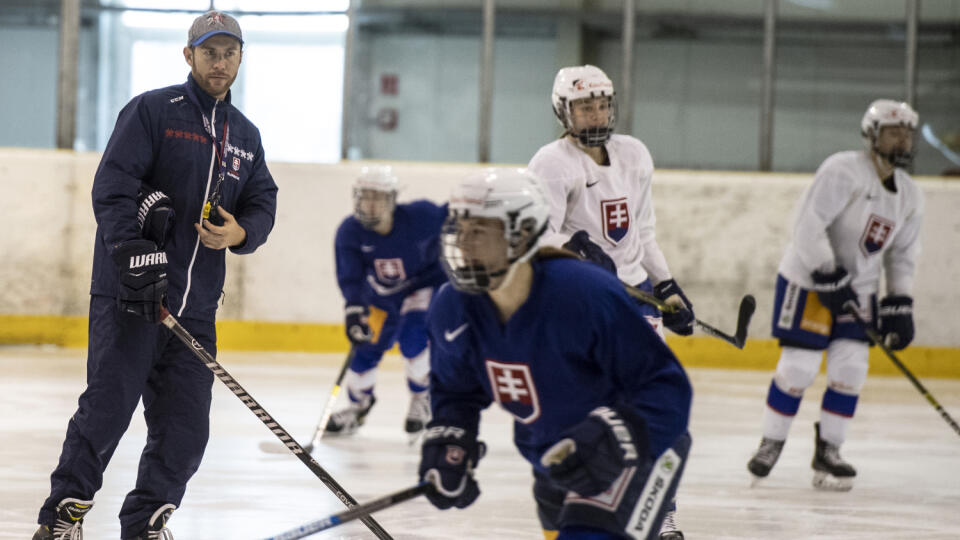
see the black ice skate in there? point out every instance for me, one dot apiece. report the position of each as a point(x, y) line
point(765, 458)
point(831, 472)
point(157, 526)
point(669, 529)
point(346, 421)
point(418, 415)
point(69, 522)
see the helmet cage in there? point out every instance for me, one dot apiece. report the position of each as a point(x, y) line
point(469, 275)
point(885, 113)
point(374, 182)
point(369, 219)
point(591, 135)
point(471, 254)
point(582, 82)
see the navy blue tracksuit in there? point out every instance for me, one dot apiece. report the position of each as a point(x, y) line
point(163, 139)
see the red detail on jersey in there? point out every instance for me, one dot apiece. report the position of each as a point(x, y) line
point(876, 234)
point(616, 219)
point(170, 133)
point(389, 270)
point(513, 388)
point(236, 163)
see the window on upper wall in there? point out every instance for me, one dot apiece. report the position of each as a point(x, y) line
point(290, 83)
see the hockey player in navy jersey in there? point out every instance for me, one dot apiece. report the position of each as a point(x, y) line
point(863, 213)
point(599, 189)
point(387, 269)
point(600, 403)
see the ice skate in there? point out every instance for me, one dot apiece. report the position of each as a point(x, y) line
point(765, 458)
point(831, 472)
point(348, 420)
point(69, 522)
point(668, 529)
point(157, 526)
point(418, 415)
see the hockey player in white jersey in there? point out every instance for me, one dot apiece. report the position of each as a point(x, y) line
point(598, 186)
point(863, 213)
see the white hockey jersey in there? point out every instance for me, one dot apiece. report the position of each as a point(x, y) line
point(612, 203)
point(847, 218)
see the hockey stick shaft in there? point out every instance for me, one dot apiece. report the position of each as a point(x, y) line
point(358, 511)
point(878, 341)
point(935, 142)
point(331, 401)
point(737, 341)
point(208, 360)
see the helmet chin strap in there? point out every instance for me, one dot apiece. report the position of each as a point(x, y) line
point(511, 272)
point(895, 158)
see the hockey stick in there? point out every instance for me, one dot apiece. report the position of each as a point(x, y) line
point(874, 336)
point(358, 511)
point(935, 142)
point(273, 448)
point(170, 322)
point(748, 304)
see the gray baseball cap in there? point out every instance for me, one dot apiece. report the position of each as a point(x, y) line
point(212, 23)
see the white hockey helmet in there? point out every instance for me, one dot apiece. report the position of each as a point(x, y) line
point(374, 194)
point(512, 196)
point(583, 82)
point(887, 112)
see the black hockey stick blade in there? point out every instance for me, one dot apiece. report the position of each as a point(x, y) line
point(358, 511)
point(211, 363)
point(747, 306)
point(877, 340)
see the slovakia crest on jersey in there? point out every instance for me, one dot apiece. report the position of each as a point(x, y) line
point(875, 235)
point(616, 219)
point(389, 270)
point(513, 389)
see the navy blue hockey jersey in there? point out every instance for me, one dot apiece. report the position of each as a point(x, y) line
point(578, 342)
point(372, 265)
point(161, 139)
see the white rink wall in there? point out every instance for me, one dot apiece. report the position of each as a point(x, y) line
point(723, 234)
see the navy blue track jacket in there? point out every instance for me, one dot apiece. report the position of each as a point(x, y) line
point(162, 138)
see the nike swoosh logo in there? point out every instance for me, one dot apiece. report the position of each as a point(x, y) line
point(450, 336)
point(367, 249)
point(589, 185)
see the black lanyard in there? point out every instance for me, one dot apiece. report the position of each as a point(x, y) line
point(209, 207)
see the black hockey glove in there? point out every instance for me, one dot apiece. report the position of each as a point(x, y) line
point(594, 452)
point(447, 460)
point(358, 331)
point(834, 290)
point(896, 321)
point(680, 321)
point(580, 244)
point(155, 215)
point(143, 278)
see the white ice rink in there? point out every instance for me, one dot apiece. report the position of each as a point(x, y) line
point(908, 460)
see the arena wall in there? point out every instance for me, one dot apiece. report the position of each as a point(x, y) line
point(723, 234)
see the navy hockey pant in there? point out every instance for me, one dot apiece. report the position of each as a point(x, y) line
point(129, 358)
